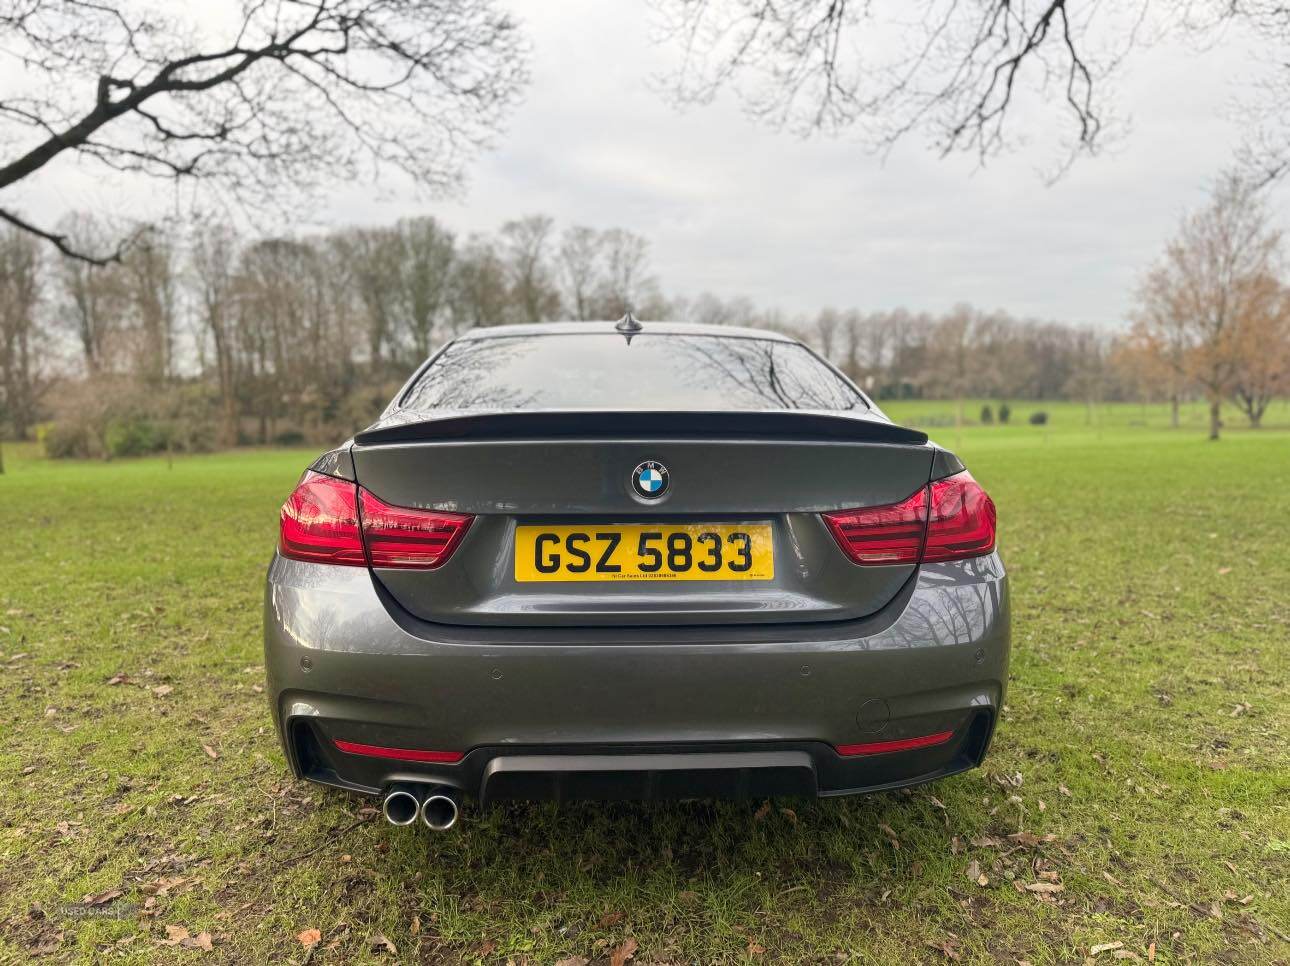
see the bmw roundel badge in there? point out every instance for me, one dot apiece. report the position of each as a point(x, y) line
point(649, 480)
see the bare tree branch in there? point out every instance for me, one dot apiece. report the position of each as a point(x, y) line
point(953, 70)
point(298, 93)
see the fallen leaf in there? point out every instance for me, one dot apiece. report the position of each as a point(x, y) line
point(211, 752)
point(946, 948)
point(756, 949)
point(1044, 887)
point(1064, 790)
point(887, 830)
point(379, 944)
point(572, 961)
point(174, 935)
point(102, 898)
point(415, 928)
point(1224, 570)
point(161, 690)
point(116, 679)
point(201, 941)
point(620, 954)
point(1105, 948)
point(609, 919)
point(309, 937)
point(1151, 953)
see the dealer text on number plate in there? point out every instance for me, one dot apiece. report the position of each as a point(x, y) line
point(644, 551)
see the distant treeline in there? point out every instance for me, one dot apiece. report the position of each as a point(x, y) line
point(199, 338)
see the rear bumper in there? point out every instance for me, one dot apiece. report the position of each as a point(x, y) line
point(635, 712)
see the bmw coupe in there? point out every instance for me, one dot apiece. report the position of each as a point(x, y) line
point(633, 560)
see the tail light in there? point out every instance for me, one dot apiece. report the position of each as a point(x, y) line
point(328, 520)
point(891, 534)
point(320, 522)
point(962, 521)
point(950, 519)
point(396, 536)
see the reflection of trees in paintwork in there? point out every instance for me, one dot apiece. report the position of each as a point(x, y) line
point(950, 607)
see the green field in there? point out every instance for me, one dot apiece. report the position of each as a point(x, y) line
point(1138, 791)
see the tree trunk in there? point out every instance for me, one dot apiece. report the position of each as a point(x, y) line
point(1, 459)
point(1173, 411)
point(1215, 420)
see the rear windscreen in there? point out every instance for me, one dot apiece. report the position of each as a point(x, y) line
point(649, 372)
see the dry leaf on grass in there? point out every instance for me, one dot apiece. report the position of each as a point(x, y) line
point(211, 752)
point(161, 690)
point(609, 919)
point(756, 948)
point(202, 941)
point(309, 937)
point(1044, 887)
point(102, 898)
point(572, 961)
point(1105, 948)
point(379, 944)
point(620, 954)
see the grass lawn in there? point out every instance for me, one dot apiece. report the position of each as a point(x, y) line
point(1138, 791)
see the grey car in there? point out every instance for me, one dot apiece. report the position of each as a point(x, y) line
point(633, 560)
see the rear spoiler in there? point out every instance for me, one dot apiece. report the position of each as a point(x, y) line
point(563, 424)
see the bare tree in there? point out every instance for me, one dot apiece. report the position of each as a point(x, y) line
point(526, 242)
point(94, 294)
point(1262, 347)
point(581, 251)
point(425, 278)
point(213, 265)
point(292, 94)
point(480, 296)
point(627, 285)
point(149, 275)
point(20, 380)
point(1205, 288)
point(954, 72)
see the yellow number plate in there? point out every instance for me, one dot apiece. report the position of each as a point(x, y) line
point(645, 551)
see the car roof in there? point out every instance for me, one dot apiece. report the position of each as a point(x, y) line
point(607, 328)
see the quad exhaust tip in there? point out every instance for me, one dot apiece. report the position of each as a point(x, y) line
point(439, 812)
point(436, 806)
point(402, 804)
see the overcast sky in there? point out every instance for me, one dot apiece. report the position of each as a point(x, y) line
point(737, 209)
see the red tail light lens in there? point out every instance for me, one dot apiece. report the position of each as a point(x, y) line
point(327, 520)
point(402, 537)
point(951, 519)
point(962, 521)
point(879, 535)
point(319, 522)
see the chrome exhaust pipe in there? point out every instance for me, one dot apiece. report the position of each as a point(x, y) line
point(402, 804)
point(439, 810)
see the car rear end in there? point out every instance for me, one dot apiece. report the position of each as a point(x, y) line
point(731, 575)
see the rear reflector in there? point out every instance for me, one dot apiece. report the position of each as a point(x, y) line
point(896, 744)
point(399, 754)
point(328, 520)
point(950, 519)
